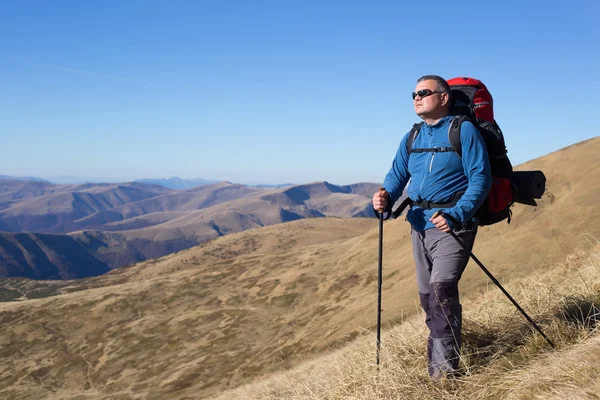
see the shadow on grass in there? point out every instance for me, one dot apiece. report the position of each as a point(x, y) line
point(484, 344)
point(581, 312)
point(506, 339)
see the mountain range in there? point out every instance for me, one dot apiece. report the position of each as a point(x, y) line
point(112, 225)
point(171, 183)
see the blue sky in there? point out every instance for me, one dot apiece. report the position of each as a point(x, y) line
point(276, 91)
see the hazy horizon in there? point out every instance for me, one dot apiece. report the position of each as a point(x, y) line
point(73, 179)
point(82, 179)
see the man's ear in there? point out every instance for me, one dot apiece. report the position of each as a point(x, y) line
point(445, 98)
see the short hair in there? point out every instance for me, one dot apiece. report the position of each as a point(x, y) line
point(441, 83)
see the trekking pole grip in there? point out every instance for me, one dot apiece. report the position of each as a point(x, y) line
point(381, 190)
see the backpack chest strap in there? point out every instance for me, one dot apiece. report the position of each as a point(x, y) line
point(453, 138)
point(435, 150)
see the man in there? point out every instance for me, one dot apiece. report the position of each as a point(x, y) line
point(439, 181)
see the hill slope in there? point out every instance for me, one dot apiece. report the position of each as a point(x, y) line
point(40, 256)
point(502, 356)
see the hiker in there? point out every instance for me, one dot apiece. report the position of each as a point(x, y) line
point(440, 179)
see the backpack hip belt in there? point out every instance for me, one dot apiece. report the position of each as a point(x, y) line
point(428, 205)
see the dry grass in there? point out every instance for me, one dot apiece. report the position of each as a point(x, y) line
point(503, 357)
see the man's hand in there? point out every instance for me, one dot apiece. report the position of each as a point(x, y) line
point(441, 223)
point(380, 200)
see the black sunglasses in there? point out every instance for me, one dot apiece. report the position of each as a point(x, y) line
point(423, 93)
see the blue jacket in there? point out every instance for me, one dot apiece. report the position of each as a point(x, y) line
point(436, 177)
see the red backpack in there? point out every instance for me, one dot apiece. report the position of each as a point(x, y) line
point(472, 100)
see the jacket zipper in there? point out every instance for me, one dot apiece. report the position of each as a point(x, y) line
point(431, 163)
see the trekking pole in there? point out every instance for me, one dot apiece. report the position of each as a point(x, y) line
point(489, 274)
point(379, 279)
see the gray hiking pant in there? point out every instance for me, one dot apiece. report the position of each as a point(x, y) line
point(440, 261)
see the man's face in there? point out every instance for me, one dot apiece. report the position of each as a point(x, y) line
point(429, 103)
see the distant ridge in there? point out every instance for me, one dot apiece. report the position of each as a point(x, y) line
point(23, 178)
point(183, 184)
point(178, 183)
point(269, 186)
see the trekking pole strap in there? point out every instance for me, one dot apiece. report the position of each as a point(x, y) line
point(405, 203)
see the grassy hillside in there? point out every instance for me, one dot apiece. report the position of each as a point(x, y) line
point(169, 314)
point(503, 358)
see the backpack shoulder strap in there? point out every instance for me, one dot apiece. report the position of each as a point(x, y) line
point(412, 135)
point(454, 133)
